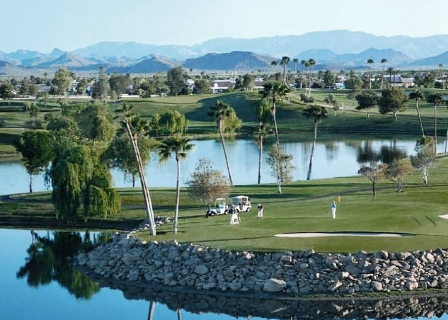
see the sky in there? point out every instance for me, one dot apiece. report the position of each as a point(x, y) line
point(42, 25)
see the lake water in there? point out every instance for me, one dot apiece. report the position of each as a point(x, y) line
point(331, 159)
point(36, 282)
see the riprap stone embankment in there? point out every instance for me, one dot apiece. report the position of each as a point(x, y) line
point(197, 267)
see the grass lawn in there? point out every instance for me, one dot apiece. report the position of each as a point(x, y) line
point(303, 206)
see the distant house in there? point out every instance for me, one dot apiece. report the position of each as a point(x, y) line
point(396, 80)
point(339, 86)
point(219, 86)
point(258, 84)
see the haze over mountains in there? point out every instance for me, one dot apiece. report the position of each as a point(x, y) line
point(333, 50)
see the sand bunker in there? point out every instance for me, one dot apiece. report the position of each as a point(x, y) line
point(340, 234)
point(445, 216)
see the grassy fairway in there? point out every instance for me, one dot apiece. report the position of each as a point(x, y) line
point(304, 206)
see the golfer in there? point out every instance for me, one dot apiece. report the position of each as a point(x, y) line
point(260, 210)
point(333, 209)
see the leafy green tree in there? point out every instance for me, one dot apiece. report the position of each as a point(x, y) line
point(170, 122)
point(135, 127)
point(331, 100)
point(176, 80)
point(202, 86)
point(62, 79)
point(329, 78)
point(417, 95)
point(101, 88)
point(281, 166)
point(436, 99)
point(7, 91)
point(180, 147)
point(207, 184)
point(398, 170)
point(366, 101)
point(96, 124)
point(376, 173)
point(81, 87)
point(221, 113)
point(392, 100)
point(425, 157)
point(318, 113)
point(119, 82)
point(36, 152)
point(80, 181)
point(248, 82)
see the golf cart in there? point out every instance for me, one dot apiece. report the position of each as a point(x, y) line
point(219, 206)
point(241, 203)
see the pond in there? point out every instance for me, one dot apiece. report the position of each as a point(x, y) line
point(334, 158)
point(37, 282)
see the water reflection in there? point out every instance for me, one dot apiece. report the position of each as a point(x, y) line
point(270, 307)
point(332, 159)
point(367, 153)
point(47, 261)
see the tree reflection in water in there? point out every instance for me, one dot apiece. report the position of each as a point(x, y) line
point(387, 154)
point(47, 261)
point(272, 307)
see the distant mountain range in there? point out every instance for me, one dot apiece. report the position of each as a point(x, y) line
point(333, 50)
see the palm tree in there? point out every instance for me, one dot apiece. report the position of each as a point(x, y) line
point(180, 147)
point(134, 126)
point(391, 72)
point(311, 63)
point(304, 68)
point(262, 130)
point(220, 112)
point(369, 62)
point(383, 62)
point(275, 90)
point(274, 63)
point(296, 61)
point(435, 99)
point(317, 113)
point(284, 62)
point(417, 95)
point(441, 75)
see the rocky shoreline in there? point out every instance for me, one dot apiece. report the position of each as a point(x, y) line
point(196, 267)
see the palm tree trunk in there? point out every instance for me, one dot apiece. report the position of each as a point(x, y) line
point(382, 78)
point(225, 153)
point(145, 190)
point(308, 177)
point(420, 119)
point(274, 118)
point(176, 212)
point(179, 314)
point(260, 153)
point(435, 128)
